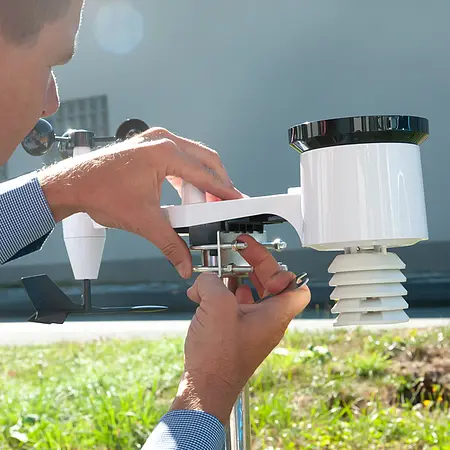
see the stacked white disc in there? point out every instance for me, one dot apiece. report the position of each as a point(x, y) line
point(368, 289)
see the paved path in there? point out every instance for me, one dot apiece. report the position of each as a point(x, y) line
point(30, 333)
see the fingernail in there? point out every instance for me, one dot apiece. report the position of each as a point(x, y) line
point(241, 193)
point(184, 269)
point(235, 189)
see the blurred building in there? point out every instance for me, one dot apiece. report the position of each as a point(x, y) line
point(236, 75)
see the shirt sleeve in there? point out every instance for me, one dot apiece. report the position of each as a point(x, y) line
point(187, 430)
point(26, 219)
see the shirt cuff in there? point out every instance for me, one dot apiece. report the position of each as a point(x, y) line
point(187, 430)
point(25, 215)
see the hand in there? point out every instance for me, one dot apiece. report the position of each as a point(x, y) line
point(120, 186)
point(230, 335)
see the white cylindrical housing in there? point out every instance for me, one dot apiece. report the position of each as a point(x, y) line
point(84, 239)
point(362, 191)
point(84, 244)
point(78, 151)
point(362, 195)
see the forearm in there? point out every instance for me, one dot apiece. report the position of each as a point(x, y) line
point(26, 218)
point(207, 393)
point(197, 417)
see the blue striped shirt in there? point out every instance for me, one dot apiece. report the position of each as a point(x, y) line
point(26, 221)
point(187, 430)
point(25, 217)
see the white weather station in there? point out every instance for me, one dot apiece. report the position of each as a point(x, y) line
point(361, 195)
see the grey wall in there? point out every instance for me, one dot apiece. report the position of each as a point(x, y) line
point(236, 74)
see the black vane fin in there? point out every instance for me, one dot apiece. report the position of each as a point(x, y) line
point(50, 302)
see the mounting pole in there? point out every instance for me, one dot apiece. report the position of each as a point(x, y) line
point(217, 257)
point(87, 303)
point(239, 433)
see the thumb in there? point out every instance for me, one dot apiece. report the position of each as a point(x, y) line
point(277, 312)
point(167, 240)
point(209, 288)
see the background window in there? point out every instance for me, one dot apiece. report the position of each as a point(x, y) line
point(85, 113)
point(89, 114)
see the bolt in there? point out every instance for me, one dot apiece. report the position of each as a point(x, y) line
point(278, 245)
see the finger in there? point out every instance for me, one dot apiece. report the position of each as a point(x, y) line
point(289, 304)
point(264, 264)
point(167, 240)
point(274, 285)
point(247, 308)
point(211, 198)
point(277, 312)
point(189, 169)
point(244, 295)
point(177, 184)
point(267, 275)
point(205, 155)
point(278, 282)
point(257, 284)
point(209, 288)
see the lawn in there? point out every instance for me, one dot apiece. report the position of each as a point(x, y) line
point(331, 390)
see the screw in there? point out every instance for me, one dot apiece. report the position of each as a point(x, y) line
point(278, 245)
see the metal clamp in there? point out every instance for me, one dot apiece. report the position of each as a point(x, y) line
point(229, 270)
point(278, 245)
point(232, 269)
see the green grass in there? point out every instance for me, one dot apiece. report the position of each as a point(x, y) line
point(334, 390)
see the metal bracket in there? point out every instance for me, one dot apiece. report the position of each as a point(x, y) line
point(232, 269)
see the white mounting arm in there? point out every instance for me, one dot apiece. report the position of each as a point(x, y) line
point(286, 206)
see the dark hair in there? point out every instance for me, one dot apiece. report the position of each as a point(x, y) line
point(21, 21)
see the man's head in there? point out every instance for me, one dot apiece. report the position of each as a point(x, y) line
point(35, 36)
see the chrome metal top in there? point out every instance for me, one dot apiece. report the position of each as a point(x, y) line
point(42, 137)
point(358, 130)
point(82, 138)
